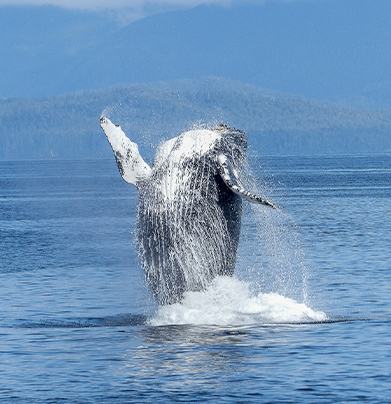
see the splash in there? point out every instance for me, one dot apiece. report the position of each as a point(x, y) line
point(270, 282)
point(270, 253)
point(230, 301)
point(189, 217)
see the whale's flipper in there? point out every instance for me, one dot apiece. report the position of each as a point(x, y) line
point(230, 178)
point(130, 164)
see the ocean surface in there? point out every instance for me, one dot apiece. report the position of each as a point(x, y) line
point(306, 319)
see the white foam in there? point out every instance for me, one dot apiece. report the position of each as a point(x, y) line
point(229, 301)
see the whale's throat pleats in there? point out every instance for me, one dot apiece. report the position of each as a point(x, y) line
point(188, 227)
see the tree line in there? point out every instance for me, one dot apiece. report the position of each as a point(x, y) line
point(68, 126)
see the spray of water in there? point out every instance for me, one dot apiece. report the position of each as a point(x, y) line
point(277, 264)
point(230, 301)
point(270, 282)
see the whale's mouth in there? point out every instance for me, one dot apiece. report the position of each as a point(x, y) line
point(229, 301)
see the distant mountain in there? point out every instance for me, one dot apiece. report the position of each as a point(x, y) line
point(338, 50)
point(68, 126)
point(40, 45)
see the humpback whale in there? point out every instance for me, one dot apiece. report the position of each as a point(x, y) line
point(189, 207)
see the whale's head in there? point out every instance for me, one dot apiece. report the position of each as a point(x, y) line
point(232, 144)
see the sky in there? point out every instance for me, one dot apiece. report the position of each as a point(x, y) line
point(99, 4)
point(135, 4)
point(129, 11)
point(135, 9)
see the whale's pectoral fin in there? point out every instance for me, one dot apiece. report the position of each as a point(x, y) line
point(230, 178)
point(131, 165)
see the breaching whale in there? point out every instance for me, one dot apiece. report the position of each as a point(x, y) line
point(190, 206)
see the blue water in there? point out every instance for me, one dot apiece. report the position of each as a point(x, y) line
point(306, 320)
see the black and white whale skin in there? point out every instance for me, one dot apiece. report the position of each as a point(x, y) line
point(190, 206)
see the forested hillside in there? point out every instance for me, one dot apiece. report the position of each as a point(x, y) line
point(68, 126)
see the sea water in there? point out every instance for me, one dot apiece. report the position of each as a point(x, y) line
point(306, 319)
